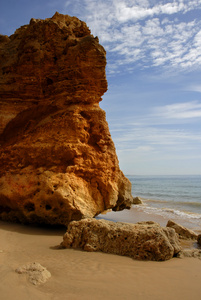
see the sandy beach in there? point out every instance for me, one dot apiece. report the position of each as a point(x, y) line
point(82, 275)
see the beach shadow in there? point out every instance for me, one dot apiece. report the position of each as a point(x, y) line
point(50, 230)
point(196, 246)
point(58, 247)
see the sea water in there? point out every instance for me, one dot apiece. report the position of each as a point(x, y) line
point(169, 197)
point(179, 193)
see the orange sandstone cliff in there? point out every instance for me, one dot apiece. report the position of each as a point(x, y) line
point(57, 159)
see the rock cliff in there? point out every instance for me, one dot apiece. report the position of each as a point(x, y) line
point(57, 159)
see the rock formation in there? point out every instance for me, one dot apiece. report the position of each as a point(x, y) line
point(36, 273)
point(183, 232)
point(57, 159)
point(145, 241)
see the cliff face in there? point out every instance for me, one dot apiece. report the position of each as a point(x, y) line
point(57, 159)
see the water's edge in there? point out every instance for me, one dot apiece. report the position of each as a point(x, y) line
point(164, 197)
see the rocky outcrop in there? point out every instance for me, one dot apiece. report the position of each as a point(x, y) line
point(183, 232)
point(146, 241)
point(57, 159)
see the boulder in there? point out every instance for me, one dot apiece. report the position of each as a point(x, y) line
point(183, 232)
point(57, 159)
point(140, 241)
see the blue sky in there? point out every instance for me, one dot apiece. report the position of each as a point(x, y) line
point(153, 103)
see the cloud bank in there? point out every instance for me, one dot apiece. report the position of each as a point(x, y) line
point(145, 32)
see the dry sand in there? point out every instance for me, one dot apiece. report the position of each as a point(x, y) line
point(81, 275)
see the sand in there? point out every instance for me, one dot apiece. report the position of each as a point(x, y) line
point(82, 275)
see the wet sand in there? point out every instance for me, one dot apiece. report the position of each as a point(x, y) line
point(82, 275)
point(138, 214)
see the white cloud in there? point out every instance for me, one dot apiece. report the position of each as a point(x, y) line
point(155, 136)
point(194, 88)
point(184, 110)
point(150, 133)
point(144, 32)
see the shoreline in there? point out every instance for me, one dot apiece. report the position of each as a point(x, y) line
point(76, 274)
point(138, 213)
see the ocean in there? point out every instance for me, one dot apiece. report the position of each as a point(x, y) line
point(164, 197)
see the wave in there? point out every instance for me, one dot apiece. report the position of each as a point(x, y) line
point(169, 213)
point(172, 202)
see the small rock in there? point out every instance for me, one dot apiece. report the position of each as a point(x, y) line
point(183, 232)
point(37, 274)
point(137, 200)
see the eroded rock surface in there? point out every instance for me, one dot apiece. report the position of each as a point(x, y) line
point(195, 253)
point(36, 273)
point(146, 241)
point(137, 201)
point(183, 232)
point(57, 159)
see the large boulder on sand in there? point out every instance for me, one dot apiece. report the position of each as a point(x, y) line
point(57, 159)
point(146, 241)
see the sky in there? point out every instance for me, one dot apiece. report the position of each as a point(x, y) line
point(153, 102)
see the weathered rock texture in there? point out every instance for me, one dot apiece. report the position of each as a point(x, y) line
point(57, 159)
point(145, 241)
point(36, 273)
point(183, 232)
point(196, 253)
point(137, 201)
